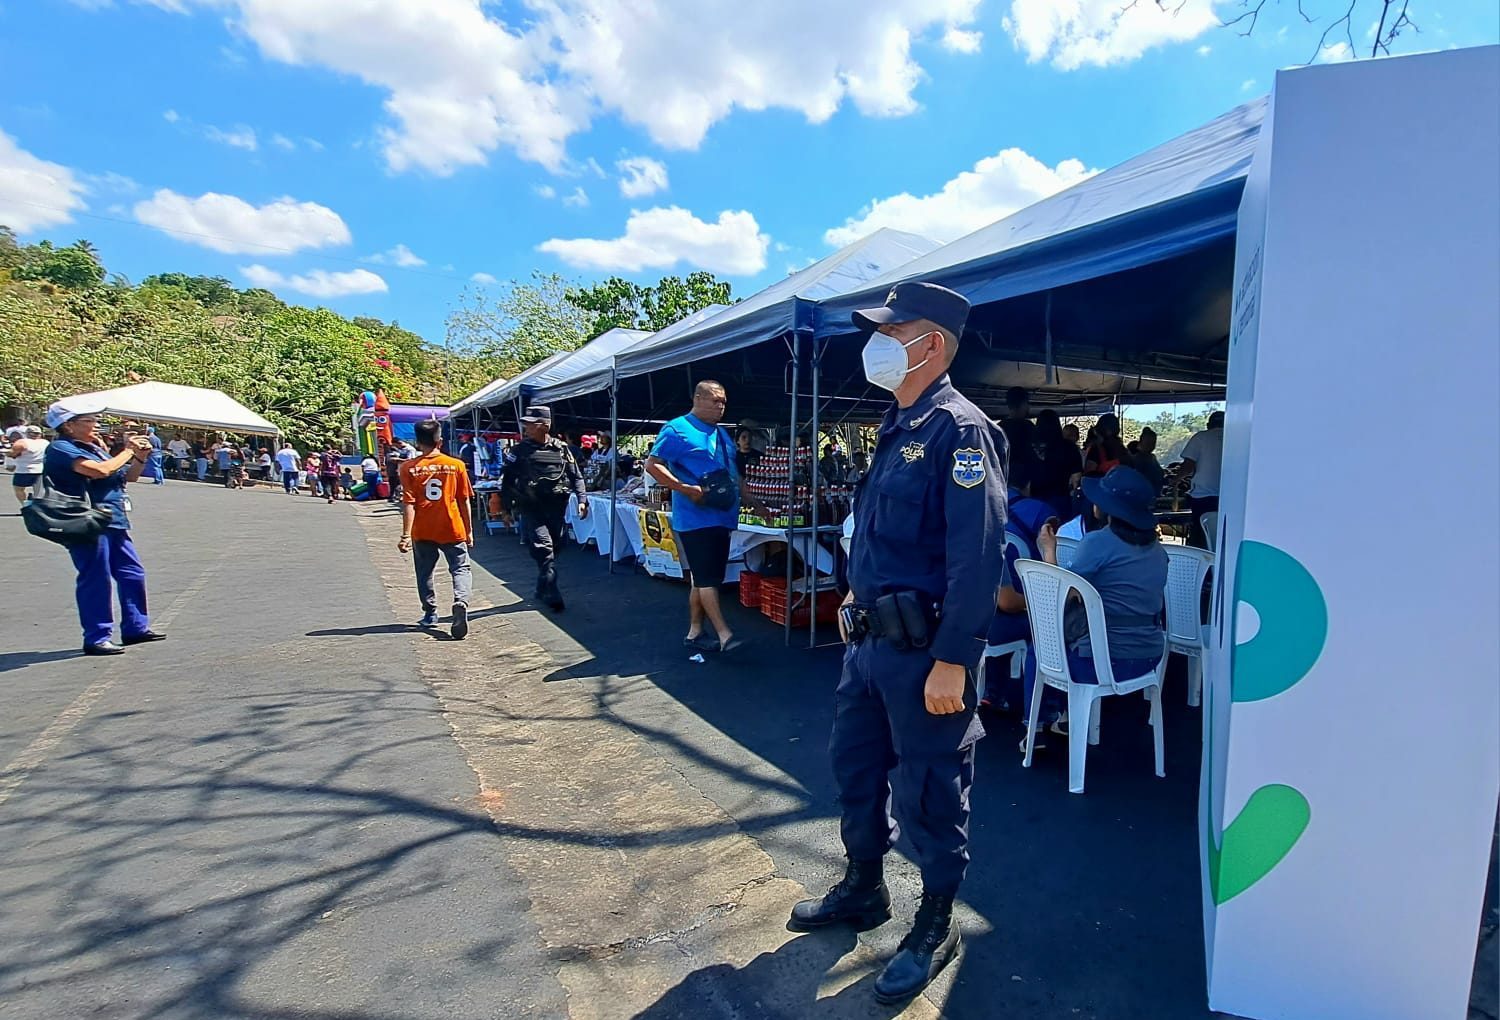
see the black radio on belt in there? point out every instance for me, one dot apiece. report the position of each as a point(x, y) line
point(904, 619)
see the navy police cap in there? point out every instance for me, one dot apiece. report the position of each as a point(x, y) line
point(908, 302)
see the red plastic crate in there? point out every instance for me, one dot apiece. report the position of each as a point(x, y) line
point(773, 604)
point(750, 583)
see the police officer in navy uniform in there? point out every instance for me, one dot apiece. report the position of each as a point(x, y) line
point(538, 474)
point(925, 566)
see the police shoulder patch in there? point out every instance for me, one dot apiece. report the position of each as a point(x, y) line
point(968, 467)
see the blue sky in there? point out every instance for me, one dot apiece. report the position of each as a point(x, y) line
point(375, 155)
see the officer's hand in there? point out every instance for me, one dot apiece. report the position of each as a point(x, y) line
point(692, 492)
point(945, 688)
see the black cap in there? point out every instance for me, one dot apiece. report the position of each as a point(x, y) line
point(908, 302)
point(538, 413)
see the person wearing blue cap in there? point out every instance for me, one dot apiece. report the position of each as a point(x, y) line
point(925, 565)
point(77, 465)
point(1126, 564)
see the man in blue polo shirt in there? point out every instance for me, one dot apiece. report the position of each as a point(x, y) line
point(689, 451)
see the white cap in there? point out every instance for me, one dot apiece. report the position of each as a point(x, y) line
point(68, 408)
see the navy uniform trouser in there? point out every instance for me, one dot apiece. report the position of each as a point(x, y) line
point(110, 556)
point(541, 530)
point(889, 752)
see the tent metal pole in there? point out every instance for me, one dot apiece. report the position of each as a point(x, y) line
point(614, 459)
point(791, 481)
point(810, 567)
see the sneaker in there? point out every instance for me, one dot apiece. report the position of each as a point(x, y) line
point(429, 620)
point(460, 621)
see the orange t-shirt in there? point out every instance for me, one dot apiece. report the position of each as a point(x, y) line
point(436, 484)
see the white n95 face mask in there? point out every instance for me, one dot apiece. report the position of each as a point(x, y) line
point(885, 360)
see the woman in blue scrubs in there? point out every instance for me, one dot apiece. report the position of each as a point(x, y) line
point(78, 465)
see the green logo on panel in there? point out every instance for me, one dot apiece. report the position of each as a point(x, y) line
point(1293, 622)
point(1293, 629)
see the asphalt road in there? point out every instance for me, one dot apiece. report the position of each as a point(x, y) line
point(300, 806)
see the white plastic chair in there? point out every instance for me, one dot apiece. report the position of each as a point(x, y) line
point(1047, 589)
point(1210, 524)
point(1187, 570)
point(1067, 549)
point(1015, 649)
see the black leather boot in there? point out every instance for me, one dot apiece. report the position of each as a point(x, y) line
point(859, 899)
point(931, 944)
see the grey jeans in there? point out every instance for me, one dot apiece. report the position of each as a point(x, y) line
point(425, 556)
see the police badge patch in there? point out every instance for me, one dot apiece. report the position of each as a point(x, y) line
point(968, 467)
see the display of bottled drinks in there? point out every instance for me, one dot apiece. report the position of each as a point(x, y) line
point(783, 483)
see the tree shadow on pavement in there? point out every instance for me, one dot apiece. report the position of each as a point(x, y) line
point(1077, 906)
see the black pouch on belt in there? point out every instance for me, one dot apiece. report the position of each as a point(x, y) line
point(913, 618)
point(891, 627)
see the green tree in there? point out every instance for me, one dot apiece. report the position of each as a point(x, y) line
point(523, 324)
point(619, 303)
point(72, 267)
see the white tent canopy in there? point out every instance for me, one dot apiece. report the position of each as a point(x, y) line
point(479, 398)
point(181, 405)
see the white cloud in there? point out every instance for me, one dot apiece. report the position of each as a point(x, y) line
point(957, 40)
point(319, 283)
point(283, 142)
point(1204, 51)
point(1247, 84)
point(400, 255)
point(171, 116)
point(544, 191)
point(579, 199)
point(484, 278)
point(1335, 53)
point(109, 181)
point(460, 82)
point(229, 224)
point(641, 176)
point(662, 237)
point(997, 186)
point(239, 136)
point(313, 144)
point(35, 193)
point(1077, 33)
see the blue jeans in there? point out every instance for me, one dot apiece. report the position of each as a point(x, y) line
point(1083, 671)
point(289, 481)
point(111, 555)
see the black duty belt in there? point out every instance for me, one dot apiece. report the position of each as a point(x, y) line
point(904, 619)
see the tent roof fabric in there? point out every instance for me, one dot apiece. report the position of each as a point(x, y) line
point(775, 310)
point(1173, 199)
point(599, 351)
point(182, 405)
point(595, 375)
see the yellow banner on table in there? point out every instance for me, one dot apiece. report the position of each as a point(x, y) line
point(659, 544)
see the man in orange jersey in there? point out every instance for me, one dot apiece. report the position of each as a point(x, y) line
point(436, 518)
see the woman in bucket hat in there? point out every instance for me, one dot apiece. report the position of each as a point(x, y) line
point(1126, 564)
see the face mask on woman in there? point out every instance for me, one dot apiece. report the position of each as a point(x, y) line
point(885, 360)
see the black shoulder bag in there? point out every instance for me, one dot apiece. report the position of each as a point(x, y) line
point(64, 519)
point(719, 489)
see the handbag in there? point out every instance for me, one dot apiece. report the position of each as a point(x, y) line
point(64, 519)
point(719, 489)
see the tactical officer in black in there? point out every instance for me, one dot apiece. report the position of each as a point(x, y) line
point(538, 474)
point(925, 566)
